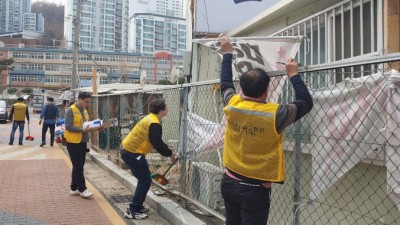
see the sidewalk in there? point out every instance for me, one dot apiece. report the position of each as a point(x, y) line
point(35, 188)
point(34, 184)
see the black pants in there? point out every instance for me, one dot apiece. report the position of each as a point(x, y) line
point(44, 131)
point(77, 153)
point(140, 169)
point(245, 204)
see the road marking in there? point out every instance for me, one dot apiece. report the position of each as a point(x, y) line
point(18, 153)
point(41, 156)
point(7, 147)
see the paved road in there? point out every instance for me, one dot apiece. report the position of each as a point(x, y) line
point(36, 132)
point(34, 184)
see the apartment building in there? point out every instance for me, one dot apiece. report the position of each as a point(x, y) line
point(12, 14)
point(159, 33)
point(103, 24)
point(34, 22)
point(16, 19)
point(157, 25)
point(174, 8)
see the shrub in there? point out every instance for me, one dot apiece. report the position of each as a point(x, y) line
point(12, 91)
point(27, 90)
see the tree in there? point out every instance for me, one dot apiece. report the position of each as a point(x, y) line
point(5, 64)
point(12, 90)
point(181, 80)
point(53, 15)
point(27, 90)
point(164, 82)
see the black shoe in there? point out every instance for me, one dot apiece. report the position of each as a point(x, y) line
point(51, 145)
point(10, 143)
point(138, 216)
point(19, 143)
point(41, 145)
point(144, 209)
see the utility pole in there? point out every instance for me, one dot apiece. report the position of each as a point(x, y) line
point(75, 57)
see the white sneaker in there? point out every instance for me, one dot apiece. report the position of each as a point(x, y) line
point(86, 194)
point(75, 193)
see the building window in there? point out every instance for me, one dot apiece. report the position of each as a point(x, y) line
point(52, 79)
point(330, 33)
point(67, 56)
point(19, 55)
point(148, 22)
point(35, 67)
point(148, 42)
point(52, 68)
point(148, 29)
point(66, 80)
point(52, 56)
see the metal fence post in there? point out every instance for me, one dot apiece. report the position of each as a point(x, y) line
point(117, 130)
point(139, 106)
point(108, 129)
point(183, 135)
point(297, 172)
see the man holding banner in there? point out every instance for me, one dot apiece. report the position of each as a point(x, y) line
point(253, 143)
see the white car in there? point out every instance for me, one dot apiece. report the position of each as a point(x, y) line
point(3, 111)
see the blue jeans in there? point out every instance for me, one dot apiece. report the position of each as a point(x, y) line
point(140, 169)
point(21, 125)
point(245, 203)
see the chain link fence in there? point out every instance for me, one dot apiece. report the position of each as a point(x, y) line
point(341, 160)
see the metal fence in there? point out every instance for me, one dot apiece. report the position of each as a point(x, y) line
point(339, 159)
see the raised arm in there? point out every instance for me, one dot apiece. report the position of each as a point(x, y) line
point(227, 87)
point(290, 113)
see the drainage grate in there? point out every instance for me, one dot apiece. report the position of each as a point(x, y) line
point(120, 198)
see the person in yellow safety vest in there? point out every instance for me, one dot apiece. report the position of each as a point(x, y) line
point(253, 142)
point(77, 138)
point(19, 111)
point(144, 136)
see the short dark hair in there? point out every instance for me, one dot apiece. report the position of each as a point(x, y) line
point(20, 99)
point(157, 105)
point(50, 99)
point(84, 95)
point(254, 82)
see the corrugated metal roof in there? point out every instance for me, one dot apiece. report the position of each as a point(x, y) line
point(122, 88)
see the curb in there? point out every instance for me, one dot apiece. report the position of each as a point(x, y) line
point(167, 208)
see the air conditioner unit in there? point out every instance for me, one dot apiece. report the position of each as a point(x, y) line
point(205, 182)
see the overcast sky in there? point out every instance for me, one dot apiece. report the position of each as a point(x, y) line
point(225, 15)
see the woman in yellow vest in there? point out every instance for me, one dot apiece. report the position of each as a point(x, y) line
point(19, 111)
point(145, 136)
point(253, 142)
point(77, 137)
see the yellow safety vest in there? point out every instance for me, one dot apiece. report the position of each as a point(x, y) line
point(137, 140)
point(252, 146)
point(76, 137)
point(19, 111)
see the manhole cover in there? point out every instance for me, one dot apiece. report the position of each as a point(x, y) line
point(120, 198)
